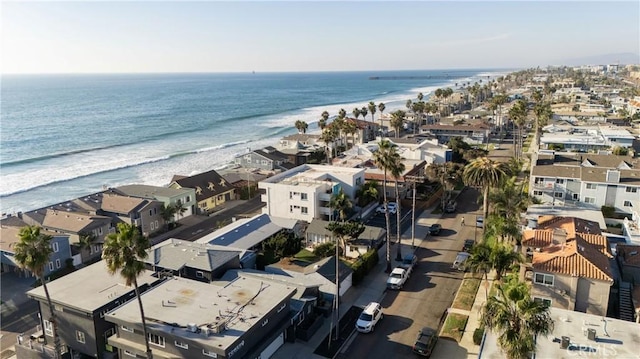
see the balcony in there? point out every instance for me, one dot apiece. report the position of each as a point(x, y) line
point(30, 344)
point(547, 186)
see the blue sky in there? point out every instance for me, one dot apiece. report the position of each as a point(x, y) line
point(179, 36)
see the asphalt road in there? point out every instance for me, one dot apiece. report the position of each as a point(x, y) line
point(426, 295)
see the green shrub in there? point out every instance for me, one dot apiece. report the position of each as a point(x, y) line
point(477, 335)
point(363, 265)
point(324, 250)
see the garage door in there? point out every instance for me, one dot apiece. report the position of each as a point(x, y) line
point(346, 284)
point(268, 351)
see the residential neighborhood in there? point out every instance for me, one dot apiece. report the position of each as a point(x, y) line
point(543, 161)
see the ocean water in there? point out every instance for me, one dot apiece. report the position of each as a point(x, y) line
point(65, 136)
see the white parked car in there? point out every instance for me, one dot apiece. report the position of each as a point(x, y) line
point(479, 221)
point(458, 263)
point(393, 208)
point(369, 317)
point(397, 278)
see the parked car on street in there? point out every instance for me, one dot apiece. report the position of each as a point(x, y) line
point(426, 341)
point(393, 208)
point(479, 221)
point(458, 263)
point(409, 262)
point(397, 278)
point(468, 244)
point(450, 207)
point(435, 229)
point(369, 317)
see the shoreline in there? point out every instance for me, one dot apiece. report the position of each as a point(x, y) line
point(220, 157)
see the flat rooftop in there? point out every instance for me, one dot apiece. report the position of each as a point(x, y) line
point(614, 338)
point(311, 174)
point(177, 303)
point(89, 288)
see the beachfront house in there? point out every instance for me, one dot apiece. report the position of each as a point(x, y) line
point(183, 197)
point(212, 191)
point(144, 214)
point(268, 159)
point(81, 300)
point(317, 233)
point(9, 234)
point(304, 192)
point(301, 147)
point(569, 264)
point(587, 180)
point(246, 318)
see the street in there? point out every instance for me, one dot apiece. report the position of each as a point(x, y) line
point(427, 294)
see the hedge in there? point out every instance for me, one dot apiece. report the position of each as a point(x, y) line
point(363, 265)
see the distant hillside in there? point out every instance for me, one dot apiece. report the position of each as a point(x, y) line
point(624, 58)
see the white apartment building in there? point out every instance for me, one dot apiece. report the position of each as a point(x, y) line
point(587, 180)
point(304, 192)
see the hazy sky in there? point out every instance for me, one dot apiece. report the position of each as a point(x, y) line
point(179, 36)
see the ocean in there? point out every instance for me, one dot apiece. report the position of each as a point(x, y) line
point(65, 136)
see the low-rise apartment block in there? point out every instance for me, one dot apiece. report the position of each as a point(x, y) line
point(246, 318)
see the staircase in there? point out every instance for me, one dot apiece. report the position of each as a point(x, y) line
point(625, 302)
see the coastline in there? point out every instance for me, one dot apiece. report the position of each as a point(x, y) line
point(75, 183)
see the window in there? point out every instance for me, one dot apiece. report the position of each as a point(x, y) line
point(188, 199)
point(626, 204)
point(537, 193)
point(265, 162)
point(208, 353)
point(58, 262)
point(96, 248)
point(557, 194)
point(55, 247)
point(591, 186)
point(157, 225)
point(545, 279)
point(290, 209)
point(152, 226)
point(545, 301)
point(303, 196)
point(127, 329)
point(155, 210)
point(589, 200)
point(80, 336)
point(304, 210)
point(199, 274)
point(560, 180)
point(48, 328)
point(131, 354)
point(150, 212)
point(50, 266)
point(290, 195)
point(156, 340)
point(181, 345)
point(576, 196)
point(632, 189)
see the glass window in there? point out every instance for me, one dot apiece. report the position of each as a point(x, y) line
point(627, 204)
point(591, 186)
point(127, 329)
point(55, 247)
point(208, 353)
point(58, 263)
point(155, 339)
point(557, 194)
point(545, 279)
point(80, 336)
point(589, 200)
point(560, 180)
point(48, 327)
point(182, 345)
point(545, 301)
point(199, 274)
point(50, 266)
point(632, 189)
point(303, 196)
point(304, 210)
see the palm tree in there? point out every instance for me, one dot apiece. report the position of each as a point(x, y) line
point(356, 112)
point(124, 251)
point(322, 123)
point(367, 193)
point(341, 203)
point(503, 258)
point(516, 319)
point(486, 174)
point(167, 213)
point(480, 262)
point(86, 240)
point(518, 114)
point(397, 119)
point(382, 160)
point(328, 136)
point(301, 126)
point(396, 167)
point(364, 112)
point(543, 114)
point(372, 109)
point(179, 208)
point(342, 113)
point(381, 108)
point(32, 252)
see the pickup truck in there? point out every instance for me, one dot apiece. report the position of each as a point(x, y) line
point(397, 278)
point(409, 262)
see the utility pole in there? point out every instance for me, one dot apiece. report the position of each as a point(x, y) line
point(414, 180)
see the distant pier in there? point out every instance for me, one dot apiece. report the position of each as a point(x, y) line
point(438, 77)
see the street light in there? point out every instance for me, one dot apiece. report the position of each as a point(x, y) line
point(414, 179)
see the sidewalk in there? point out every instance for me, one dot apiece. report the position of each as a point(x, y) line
point(371, 290)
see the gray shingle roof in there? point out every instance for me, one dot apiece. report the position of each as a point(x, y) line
point(247, 233)
point(176, 254)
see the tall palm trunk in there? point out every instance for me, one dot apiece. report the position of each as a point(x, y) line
point(398, 210)
point(485, 205)
point(144, 321)
point(52, 319)
point(388, 222)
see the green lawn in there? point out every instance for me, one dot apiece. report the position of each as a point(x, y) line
point(454, 326)
point(305, 256)
point(466, 294)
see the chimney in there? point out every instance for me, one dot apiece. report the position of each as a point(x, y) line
point(559, 236)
